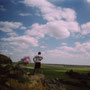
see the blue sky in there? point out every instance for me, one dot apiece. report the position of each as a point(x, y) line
point(60, 29)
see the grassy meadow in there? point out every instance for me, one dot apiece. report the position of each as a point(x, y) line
point(59, 72)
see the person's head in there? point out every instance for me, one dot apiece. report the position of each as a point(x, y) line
point(39, 53)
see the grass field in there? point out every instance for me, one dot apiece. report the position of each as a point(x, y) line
point(49, 70)
point(59, 72)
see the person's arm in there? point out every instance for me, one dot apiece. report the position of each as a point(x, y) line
point(41, 58)
point(34, 59)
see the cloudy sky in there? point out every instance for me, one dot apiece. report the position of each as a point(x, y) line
point(60, 29)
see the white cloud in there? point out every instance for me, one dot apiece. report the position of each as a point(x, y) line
point(25, 14)
point(57, 54)
point(79, 48)
point(60, 21)
point(50, 12)
point(12, 33)
point(23, 28)
point(64, 44)
point(7, 24)
point(50, 29)
point(65, 52)
point(43, 46)
point(22, 41)
point(66, 48)
point(58, 29)
point(85, 28)
point(10, 27)
point(36, 30)
point(56, 0)
point(55, 29)
point(2, 8)
point(73, 26)
point(88, 1)
point(84, 47)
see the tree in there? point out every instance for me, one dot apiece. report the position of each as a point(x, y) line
point(5, 67)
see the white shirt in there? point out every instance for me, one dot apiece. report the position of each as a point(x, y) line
point(37, 58)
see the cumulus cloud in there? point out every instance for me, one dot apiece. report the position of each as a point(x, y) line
point(55, 29)
point(50, 29)
point(62, 29)
point(58, 29)
point(57, 54)
point(60, 21)
point(84, 47)
point(64, 44)
point(10, 27)
point(37, 31)
point(66, 48)
point(79, 48)
point(78, 51)
point(43, 46)
point(50, 12)
point(85, 28)
point(88, 1)
point(25, 14)
point(22, 41)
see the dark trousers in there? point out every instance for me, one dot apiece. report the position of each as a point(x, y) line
point(37, 66)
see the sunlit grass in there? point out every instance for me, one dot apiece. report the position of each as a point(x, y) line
point(56, 71)
point(34, 84)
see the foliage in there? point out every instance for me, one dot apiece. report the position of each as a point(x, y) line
point(5, 67)
point(8, 71)
point(4, 59)
point(14, 77)
point(34, 84)
point(77, 75)
point(26, 60)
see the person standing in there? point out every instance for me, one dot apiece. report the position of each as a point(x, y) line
point(37, 60)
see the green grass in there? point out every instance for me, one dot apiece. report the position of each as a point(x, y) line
point(60, 71)
point(51, 72)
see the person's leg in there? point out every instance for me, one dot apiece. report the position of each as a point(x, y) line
point(39, 67)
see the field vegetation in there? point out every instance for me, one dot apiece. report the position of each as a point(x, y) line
point(18, 76)
point(72, 77)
